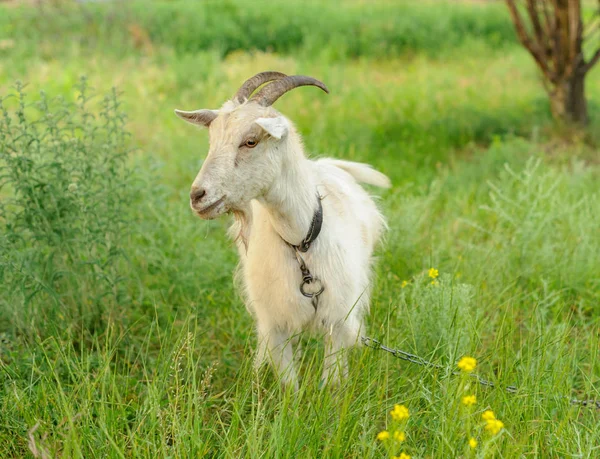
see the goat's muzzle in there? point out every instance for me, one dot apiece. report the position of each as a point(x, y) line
point(196, 196)
point(206, 210)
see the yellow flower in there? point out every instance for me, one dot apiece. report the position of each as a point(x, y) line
point(494, 426)
point(399, 413)
point(434, 282)
point(433, 273)
point(488, 415)
point(472, 443)
point(400, 436)
point(402, 456)
point(467, 364)
point(383, 435)
point(404, 284)
point(469, 400)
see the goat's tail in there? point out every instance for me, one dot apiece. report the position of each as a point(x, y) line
point(362, 172)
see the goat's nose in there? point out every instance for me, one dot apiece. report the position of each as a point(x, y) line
point(196, 195)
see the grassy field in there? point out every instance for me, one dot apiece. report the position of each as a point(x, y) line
point(121, 334)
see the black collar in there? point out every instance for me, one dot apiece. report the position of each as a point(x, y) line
point(314, 230)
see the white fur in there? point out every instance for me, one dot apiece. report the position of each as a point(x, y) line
point(272, 190)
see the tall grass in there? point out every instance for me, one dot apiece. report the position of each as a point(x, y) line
point(168, 372)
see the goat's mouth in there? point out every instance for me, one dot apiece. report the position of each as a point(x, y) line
point(212, 210)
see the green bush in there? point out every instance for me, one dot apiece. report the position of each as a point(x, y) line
point(63, 222)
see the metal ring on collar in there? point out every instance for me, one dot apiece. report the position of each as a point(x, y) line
point(308, 294)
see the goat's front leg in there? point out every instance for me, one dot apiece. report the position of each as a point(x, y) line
point(275, 344)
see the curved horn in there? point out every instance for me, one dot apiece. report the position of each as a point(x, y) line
point(251, 84)
point(269, 94)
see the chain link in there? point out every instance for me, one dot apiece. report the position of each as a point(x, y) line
point(308, 280)
point(400, 354)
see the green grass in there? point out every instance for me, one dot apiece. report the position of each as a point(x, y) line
point(138, 345)
point(382, 29)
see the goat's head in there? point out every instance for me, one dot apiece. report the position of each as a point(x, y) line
point(246, 138)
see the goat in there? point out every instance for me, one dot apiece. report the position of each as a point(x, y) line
point(256, 169)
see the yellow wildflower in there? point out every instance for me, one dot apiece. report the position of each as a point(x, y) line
point(399, 413)
point(433, 273)
point(404, 284)
point(472, 443)
point(402, 456)
point(383, 435)
point(434, 282)
point(494, 426)
point(467, 364)
point(469, 400)
point(400, 436)
point(488, 415)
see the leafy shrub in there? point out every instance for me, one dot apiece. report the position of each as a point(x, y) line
point(440, 313)
point(65, 191)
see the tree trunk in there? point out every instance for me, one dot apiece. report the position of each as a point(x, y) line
point(567, 100)
point(554, 37)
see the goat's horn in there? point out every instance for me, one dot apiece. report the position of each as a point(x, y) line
point(270, 93)
point(251, 84)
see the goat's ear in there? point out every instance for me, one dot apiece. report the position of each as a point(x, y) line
point(199, 117)
point(276, 127)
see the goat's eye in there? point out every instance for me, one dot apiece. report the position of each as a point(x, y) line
point(250, 143)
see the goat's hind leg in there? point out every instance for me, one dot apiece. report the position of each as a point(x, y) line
point(337, 340)
point(275, 345)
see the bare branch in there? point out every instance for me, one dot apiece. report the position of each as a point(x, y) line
point(549, 20)
point(527, 42)
point(535, 21)
point(573, 35)
point(556, 41)
point(593, 28)
point(595, 58)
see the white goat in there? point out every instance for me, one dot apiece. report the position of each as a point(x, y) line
point(256, 169)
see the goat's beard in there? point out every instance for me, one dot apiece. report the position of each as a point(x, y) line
point(242, 226)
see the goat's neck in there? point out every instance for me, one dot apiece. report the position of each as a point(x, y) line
point(292, 199)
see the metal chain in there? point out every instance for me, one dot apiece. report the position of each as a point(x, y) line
point(399, 354)
point(308, 279)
